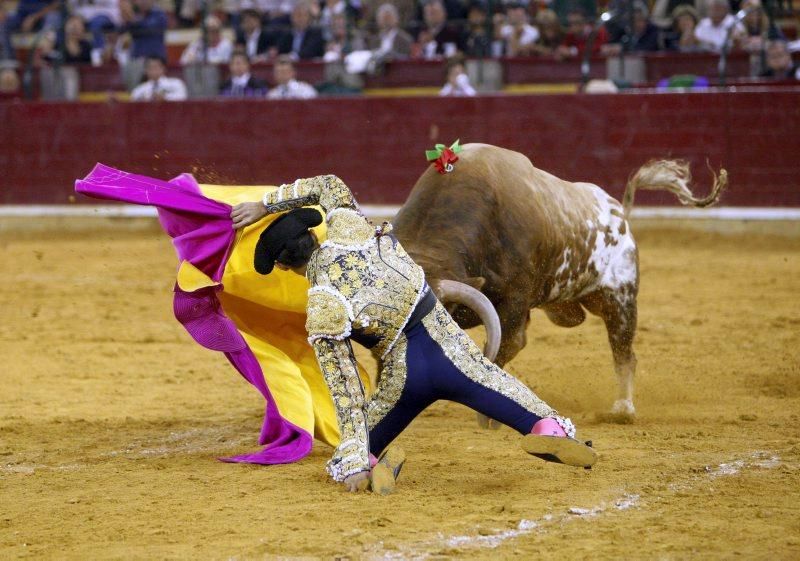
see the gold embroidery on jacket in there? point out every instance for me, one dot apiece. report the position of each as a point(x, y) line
point(341, 375)
point(391, 382)
point(327, 314)
point(346, 227)
point(379, 280)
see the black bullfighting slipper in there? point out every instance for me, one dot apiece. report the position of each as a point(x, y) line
point(560, 449)
point(383, 477)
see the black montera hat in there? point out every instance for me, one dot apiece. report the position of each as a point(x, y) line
point(283, 229)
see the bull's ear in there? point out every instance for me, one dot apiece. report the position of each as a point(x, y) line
point(475, 282)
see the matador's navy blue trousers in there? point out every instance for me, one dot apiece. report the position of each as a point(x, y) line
point(431, 376)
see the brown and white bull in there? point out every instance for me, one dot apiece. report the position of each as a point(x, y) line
point(527, 239)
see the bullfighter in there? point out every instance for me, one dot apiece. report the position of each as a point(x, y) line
point(365, 288)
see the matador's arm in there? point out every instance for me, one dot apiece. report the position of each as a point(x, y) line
point(328, 191)
point(328, 325)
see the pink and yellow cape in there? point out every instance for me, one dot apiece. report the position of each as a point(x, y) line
point(257, 321)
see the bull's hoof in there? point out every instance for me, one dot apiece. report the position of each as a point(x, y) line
point(624, 407)
point(487, 423)
point(623, 413)
point(616, 418)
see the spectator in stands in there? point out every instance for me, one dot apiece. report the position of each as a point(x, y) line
point(6, 49)
point(288, 87)
point(562, 8)
point(33, 15)
point(147, 25)
point(645, 36)
point(579, 30)
point(116, 48)
point(756, 27)
point(331, 8)
point(251, 37)
point(273, 12)
point(159, 86)
point(99, 16)
point(475, 39)
point(455, 10)
point(76, 48)
point(682, 37)
point(217, 51)
point(9, 83)
point(663, 11)
point(457, 80)
point(242, 83)
point(551, 34)
point(519, 35)
point(779, 62)
point(390, 42)
point(437, 37)
point(304, 41)
point(406, 10)
point(499, 21)
point(712, 31)
point(343, 40)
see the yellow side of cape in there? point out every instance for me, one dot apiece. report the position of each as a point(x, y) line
point(270, 313)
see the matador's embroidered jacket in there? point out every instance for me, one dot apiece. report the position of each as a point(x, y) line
point(365, 287)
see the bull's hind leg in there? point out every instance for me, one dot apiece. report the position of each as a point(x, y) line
point(617, 308)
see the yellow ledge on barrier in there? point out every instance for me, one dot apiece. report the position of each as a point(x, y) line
point(103, 97)
point(521, 89)
point(514, 89)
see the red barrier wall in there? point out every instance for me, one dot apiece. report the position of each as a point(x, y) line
point(377, 145)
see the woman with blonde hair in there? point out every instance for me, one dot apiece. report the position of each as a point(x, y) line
point(682, 37)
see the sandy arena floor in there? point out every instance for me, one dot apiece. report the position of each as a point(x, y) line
point(111, 419)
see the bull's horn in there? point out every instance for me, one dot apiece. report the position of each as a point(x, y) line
point(460, 293)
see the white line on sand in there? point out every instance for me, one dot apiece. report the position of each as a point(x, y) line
point(379, 211)
point(474, 540)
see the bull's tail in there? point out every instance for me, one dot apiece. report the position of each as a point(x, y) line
point(673, 176)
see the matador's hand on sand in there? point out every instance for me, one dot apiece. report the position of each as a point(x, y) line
point(245, 214)
point(357, 482)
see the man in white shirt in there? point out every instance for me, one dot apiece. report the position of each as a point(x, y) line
point(518, 34)
point(287, 86)
point(712, 31)
point(218, 49)
point(159, 86)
